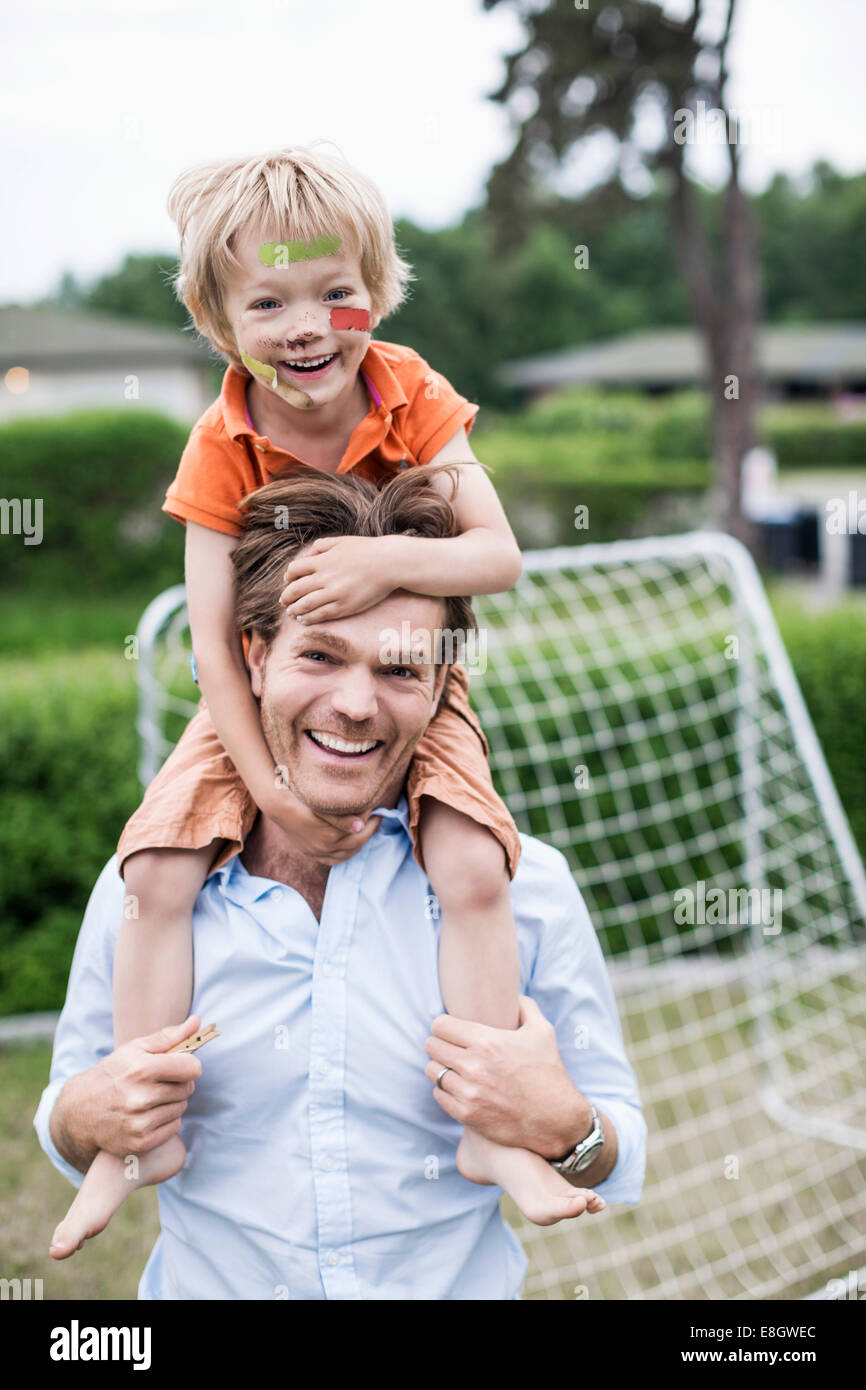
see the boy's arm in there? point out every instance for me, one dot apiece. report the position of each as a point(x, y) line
point(222, 673)
point(340, 575)
point(225, 684)
point(484, 558)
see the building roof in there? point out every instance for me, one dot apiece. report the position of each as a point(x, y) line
point(829, 353)
point(57, 339)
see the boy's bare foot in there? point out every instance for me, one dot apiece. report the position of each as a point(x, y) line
point(106, 1184)
point(543, 1195)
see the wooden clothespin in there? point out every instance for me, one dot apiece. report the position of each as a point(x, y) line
point(192, 1044)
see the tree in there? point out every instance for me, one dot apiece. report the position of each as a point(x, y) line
point(140, 289)
point(613, 70)
point(70, 293)
point(811, 242)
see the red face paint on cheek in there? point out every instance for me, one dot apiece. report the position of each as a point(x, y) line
point(350, 318)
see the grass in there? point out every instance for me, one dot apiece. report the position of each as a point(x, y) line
point(34, 1197)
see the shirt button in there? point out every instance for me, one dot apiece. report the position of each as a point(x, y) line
point(329, 1164)
point(321, 1068)
point(333, 1258)
point(404, 463)
point(277, 895)
point(327, 969)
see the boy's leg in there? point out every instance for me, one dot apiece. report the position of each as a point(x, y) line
point(479, 970)
point(468, 846)
point(537, 1190)
point(153, 972)
point(479, 975)
point(195, 813)
point(107, 1183)
point(153, 984)
point(195, 799)
point(450, 765)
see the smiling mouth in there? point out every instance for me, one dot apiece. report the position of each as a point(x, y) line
point(353, 749)
point(310, 366)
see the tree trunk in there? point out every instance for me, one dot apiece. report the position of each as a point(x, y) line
point(740, 305)
point(732, 397)
point(725, 311)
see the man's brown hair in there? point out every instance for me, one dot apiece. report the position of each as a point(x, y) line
point(286, 515)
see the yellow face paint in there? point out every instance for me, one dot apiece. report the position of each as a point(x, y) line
point(268, 374)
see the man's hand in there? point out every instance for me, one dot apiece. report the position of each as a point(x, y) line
point(508, 1083)
point(129, 1102)
point(337, 576)
point(327, 839)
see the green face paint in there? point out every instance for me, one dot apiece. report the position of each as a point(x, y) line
point(283, 253)
point(267, 374)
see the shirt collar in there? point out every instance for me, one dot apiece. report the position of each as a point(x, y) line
point(386, 387)
point(235, 882)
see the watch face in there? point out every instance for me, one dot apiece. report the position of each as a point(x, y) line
point(594, 1140)
point(587, 1158)
point(581, 1157)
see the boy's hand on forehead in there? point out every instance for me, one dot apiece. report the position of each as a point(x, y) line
point(341, 575)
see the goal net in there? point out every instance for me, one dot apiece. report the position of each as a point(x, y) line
point(643, 718)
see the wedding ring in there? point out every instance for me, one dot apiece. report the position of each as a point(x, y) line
point(440, 1076)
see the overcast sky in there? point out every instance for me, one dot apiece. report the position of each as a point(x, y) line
point(104, 103)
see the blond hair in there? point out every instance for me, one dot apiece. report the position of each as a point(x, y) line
point(298, 194)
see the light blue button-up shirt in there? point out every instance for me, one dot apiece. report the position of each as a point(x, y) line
point(319, 1163)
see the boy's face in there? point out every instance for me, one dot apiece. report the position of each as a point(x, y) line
point(280, 315)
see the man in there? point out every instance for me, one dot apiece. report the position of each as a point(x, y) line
point(321, 1161)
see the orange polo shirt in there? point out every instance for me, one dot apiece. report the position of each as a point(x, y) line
point(413, 412)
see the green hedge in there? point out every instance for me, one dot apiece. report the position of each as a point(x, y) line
point(677, 426)
point(68, 756)
point(810, 437)
point(540, 481)
point(579, 409)
point(674, 426)
point(102, 477)
point(828, 653)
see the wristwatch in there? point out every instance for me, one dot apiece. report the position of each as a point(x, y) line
point(582, 1155)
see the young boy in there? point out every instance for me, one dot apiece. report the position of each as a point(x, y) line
point(288, 263)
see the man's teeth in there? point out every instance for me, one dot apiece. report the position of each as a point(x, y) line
point(310, 362)
point(340, 745)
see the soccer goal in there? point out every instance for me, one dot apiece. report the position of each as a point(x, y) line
point(643, 717)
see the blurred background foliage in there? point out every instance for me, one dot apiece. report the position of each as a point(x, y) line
point(471, 308)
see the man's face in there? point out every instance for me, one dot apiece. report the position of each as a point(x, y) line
point(281, 313)
point(327, 683)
